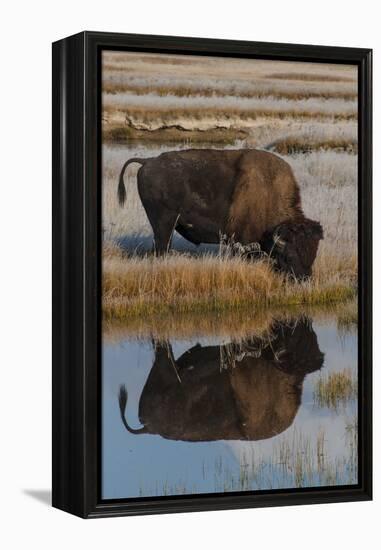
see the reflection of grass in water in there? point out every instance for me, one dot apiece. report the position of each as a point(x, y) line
point(297, 461)
point(347, 317)
point(335, 389)
point(236, 326)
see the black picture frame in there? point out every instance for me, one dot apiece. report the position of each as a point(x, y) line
point(77, 273)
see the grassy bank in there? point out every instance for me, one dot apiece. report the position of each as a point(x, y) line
point(141, 286)
point(194, 122)
point(126, 133)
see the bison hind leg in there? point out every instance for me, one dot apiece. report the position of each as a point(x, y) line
point(163, 227)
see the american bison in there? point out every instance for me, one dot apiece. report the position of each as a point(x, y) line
point(246, 391)
point(247, 195)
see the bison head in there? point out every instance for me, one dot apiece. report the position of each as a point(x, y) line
point(293, 246)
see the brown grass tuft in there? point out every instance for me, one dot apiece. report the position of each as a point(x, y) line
point(310, 77)
point(301, 144)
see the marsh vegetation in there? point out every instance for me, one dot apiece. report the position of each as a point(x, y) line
point(335, 389)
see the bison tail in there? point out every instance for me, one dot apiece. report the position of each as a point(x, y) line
point(122, 407)
point(121, 186)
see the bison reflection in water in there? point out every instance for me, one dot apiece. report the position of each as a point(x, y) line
point(246, 391)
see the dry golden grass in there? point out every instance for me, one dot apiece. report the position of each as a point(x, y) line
point(331, 267)
point(301, 144)
point(335, 389)
point(141, 286)
point(311, 77)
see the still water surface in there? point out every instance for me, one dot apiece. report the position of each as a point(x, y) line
point(206, 415)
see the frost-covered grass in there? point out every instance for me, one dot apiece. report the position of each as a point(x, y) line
point(171, 103)
point(202, 93)
point(151, 112)
point(328, 182)
point(204, 68)
point(268, 133)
